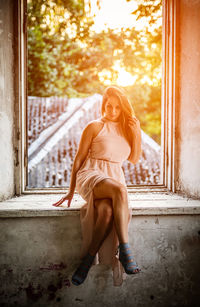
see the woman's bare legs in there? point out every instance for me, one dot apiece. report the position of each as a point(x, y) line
point(109, 188)
point(111, 203)
point(103, 224)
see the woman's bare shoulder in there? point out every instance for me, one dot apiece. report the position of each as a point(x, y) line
point(95, 123)
point(94, 126)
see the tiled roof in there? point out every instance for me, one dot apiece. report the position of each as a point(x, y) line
point(52, 153)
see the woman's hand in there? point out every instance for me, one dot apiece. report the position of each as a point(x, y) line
point(133, 123)
point(68, 197)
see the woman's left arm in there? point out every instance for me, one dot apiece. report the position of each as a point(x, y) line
point(136, 150)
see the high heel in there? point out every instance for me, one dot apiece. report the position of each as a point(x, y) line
point(81, 273)
point(127, 260)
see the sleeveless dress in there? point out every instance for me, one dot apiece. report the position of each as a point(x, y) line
point(109, 149)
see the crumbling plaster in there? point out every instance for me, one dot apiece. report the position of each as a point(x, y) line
point(40, 254)
point(189, 98)
point(6, 100)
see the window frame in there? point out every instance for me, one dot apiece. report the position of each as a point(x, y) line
point(169, 100)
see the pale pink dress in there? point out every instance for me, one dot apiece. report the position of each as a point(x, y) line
point(109, 149)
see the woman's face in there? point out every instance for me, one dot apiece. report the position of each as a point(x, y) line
point(112, 108)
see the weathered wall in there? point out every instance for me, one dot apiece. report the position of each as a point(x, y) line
point(189, 94)
point(6, 100)
point(39, 255)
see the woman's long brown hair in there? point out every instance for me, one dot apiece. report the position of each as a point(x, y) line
point(126, 107)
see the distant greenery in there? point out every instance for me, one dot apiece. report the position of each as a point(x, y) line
point(64, 63)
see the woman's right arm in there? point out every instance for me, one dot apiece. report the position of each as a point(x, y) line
point(82, 152)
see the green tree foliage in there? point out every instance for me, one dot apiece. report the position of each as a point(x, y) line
point(52, 55)
point(65, 57)
point(147, 98)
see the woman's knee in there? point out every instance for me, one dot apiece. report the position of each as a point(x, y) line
point(104, 209)
point(120, 192)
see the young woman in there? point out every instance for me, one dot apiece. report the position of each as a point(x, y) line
point(98, 177)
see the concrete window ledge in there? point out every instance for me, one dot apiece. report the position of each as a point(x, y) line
point(148, 203)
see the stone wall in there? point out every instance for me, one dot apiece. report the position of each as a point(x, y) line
point(40, 254)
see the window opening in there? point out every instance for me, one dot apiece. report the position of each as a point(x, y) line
point(74, 50)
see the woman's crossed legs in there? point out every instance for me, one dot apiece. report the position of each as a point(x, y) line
point(111, 201)
point(111, 205)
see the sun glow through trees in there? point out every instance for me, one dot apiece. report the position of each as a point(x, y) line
point(117, 15)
